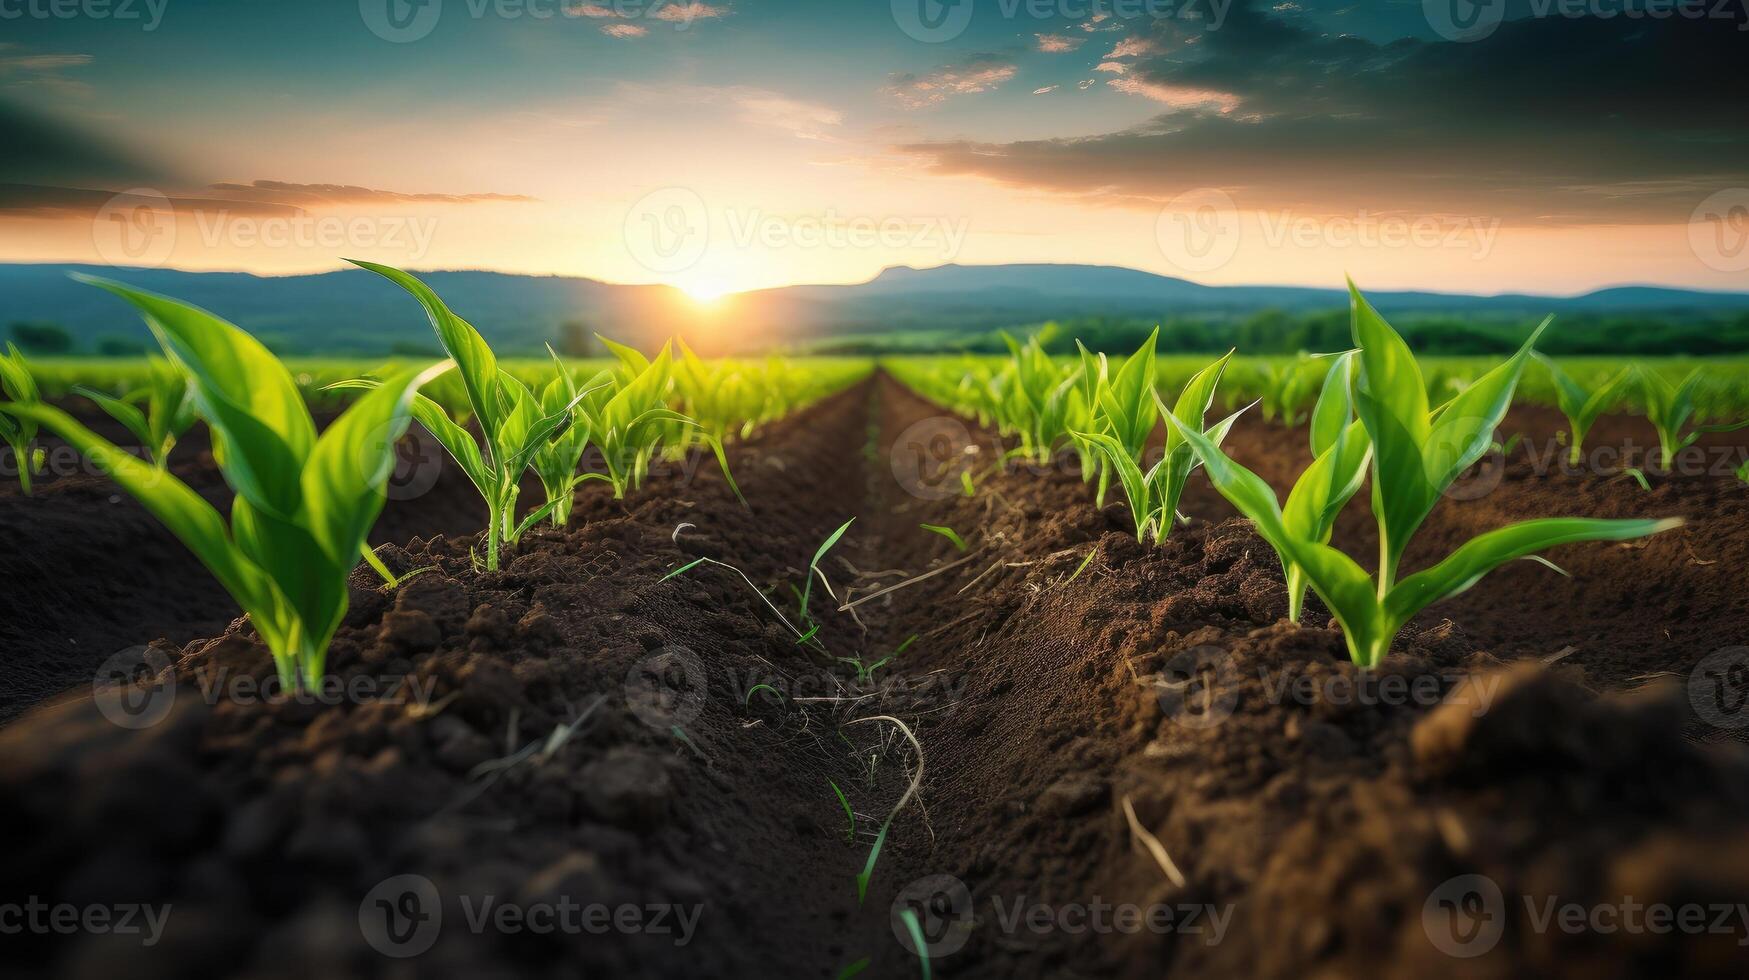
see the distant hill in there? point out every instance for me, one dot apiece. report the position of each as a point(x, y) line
point(357, 312)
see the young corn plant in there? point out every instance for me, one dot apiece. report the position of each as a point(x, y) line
point(1670, 407)
point(304, 504)
point(512, 419)
point(1122, 406)
point(556, 462)
point(1417, 453)
point(1582, 407)
point(19, 431)
point(1154, 495)
point(169, 412)
point(1285, 390)
point(1039, 398)
point(1341, 450)
point(630, 426)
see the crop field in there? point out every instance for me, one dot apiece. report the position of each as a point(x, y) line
point(1134, 663)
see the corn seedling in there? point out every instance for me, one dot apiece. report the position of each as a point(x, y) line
point(169, 411)
point(1154, 495)
point(1417, 453)
point(946, 532)
point(1582, 407)
point(19, 430)
point(1285, 387)
point(1341, 449)
point(849, 814)
point(556, 462)
point(874, 852)
point(515, 424)
point(630, 426)
point(1670, 407)
point(865, 673)
point(303, 504)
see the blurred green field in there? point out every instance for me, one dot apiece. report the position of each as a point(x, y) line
point(1721, 395)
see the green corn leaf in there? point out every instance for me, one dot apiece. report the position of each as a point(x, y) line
point(261, 429)
point(475, 362)
point(185, 513)
point(352, 461)
point(1130, 476)
point(127, 414)
point(1486, 552)
point(1391, 399)
point(1466, 429)
point(819, 553)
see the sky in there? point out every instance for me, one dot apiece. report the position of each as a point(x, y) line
point(1550, 146)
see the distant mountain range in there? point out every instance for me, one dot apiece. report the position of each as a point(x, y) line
point(356, 312)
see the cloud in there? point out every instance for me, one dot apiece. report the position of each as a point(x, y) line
point(678, 12)
point(40, 149)
point(983, 73)
point(82, 203)
point(1058, 43)
point(686, 13)
point(1177, 96)
point(1131, 47)
point(316, 195)
point(1554, 121)
point(803, 119)
point(1114, 67)
point(1044, 91)
point(21, 70)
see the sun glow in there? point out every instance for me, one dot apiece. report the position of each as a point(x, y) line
point(705, 292)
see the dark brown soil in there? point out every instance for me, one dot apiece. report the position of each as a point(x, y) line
point(1323, 820)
